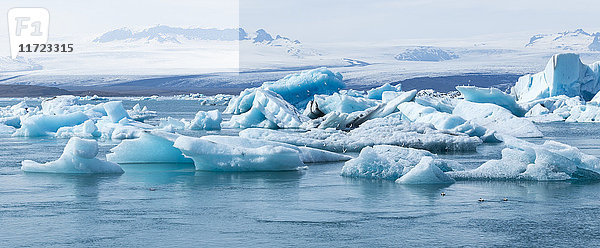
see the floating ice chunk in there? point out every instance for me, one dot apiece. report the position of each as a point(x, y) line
point(342, 103)
point(376, 93)
point(124, 129)
point(211, 156)
point(444, 121)
point(541, 114)
point(79, 156)
point(527, 161)
point(44, 125)
point(491, 95)
point(584, 113)
point(537, 110)
point(268, 110)
point(206, 120)
point(307, 154)
point(389, 162)
point(564, 75)
point(59, 105)
point(425, 172)
point(149, 148)
point(85, 130)
point(297, 89)
point(391, 130)
point(171, 124)
point(115, 111)
point(392, 105)
point(138, 113)
point(442, 104)
point(13, 121)
point(4, 129)
point(496, 118)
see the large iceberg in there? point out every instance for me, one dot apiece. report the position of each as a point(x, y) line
point(149, 148)
point(79, 157)
point(212, 156)
point(393, 162)
point(564, 74)
point(45, 125)
point(491, 95)
point(268, 110)
point(496, 118)
point(297, 89)
point(391, 130)
point(425, 172)
point(527, 161)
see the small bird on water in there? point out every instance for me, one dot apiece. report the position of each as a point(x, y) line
point(481, 200)
point(443, 194)
point(505, 199)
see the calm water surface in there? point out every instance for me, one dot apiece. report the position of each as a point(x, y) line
point(314, 207)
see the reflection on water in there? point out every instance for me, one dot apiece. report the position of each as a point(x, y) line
point(160, 205)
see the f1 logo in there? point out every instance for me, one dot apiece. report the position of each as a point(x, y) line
point(27, 26)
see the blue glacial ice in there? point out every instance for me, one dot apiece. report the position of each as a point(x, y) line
point(342, 103)
point(86, 130)
point(78, 157)
point(212, 156)
point(115, 111)
point(564, 74)
point(393, 162)
point(45, 125)
point(496, 118)
point(523, 160)
point(376, 93)
point(150, 148)
point(491, 95)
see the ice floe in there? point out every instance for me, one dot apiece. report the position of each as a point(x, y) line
point(149, 148)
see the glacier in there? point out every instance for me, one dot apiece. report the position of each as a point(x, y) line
point(78, 157)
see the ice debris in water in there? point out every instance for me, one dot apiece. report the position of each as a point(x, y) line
point(78, 157)
point(138, 113)
point(527, 161)
point(491, 95)
point(376, 93)
point(212, 156)
point(564, 74)
point(391, 130)
point(394, 162)
point(496, 118)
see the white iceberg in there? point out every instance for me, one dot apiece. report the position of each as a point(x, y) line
point(496, 118)
point(392, 105)
point(425, 172)
point(206, 120)
point(584, 113)
point(491, 95)
point(268, 110)
point(124, 129)
point(85, 130)
point(564, 74)
point(115, 111)
point(149, 148)
point(523, 160)
point(342, 103)
point(212, 156)
point(376, 93)
point(390, 162)
point(79, 157)
point(138, 113)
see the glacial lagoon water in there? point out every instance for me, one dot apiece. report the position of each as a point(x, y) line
point(150, 206)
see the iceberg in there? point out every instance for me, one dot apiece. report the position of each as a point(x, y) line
point(137, 113)
point(78, 157)
point(268, 110)
point(45, 125)
point(425, 172)
point(171, 124)
point(491, 95)
point(522, 160)
point(392, 105)
point(4, 129)
point(496, 118)
point(85, 130)
point(211, 156)
point(564, 74)
point(297, 89)
point(377, 93)
point(206, 120)
point(341, 103)
point(391, 130)
point(124, 129)
point(115, 111)
point(390, 162)
point(444, 121)
point(149, 148)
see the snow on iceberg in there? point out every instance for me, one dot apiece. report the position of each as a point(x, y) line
point(444, 121)
point(297, 89)
point(564, 74)
point(149, 148)
point(496, 118)
point(268, 110)
point(376, 93)
point(491, 95)
point(425, 172)
point(391, 130)
point(206, 120)
point(211, 156)
point(390, 162)
point(45, 125)
point(79, 157)
point(523, 160)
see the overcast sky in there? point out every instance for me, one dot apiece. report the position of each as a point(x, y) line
point(324, 20)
